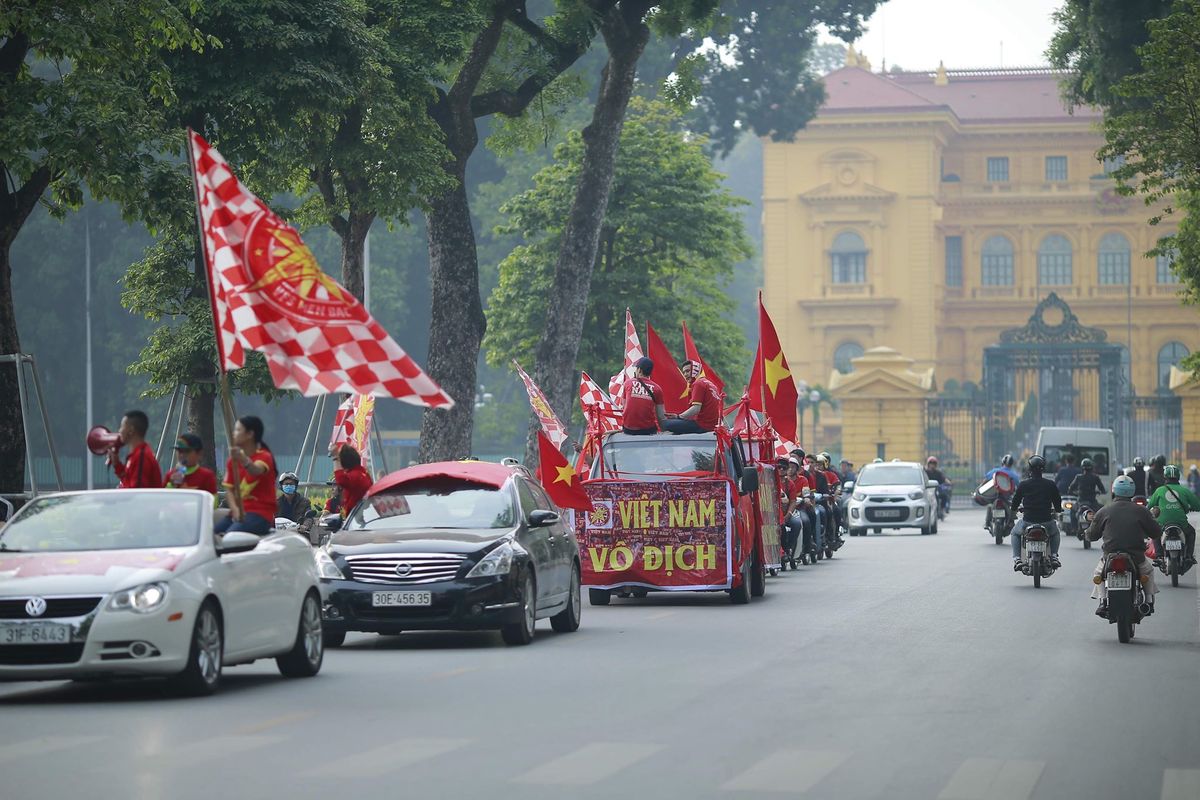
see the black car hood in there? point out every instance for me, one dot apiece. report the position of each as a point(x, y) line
point(416, 540)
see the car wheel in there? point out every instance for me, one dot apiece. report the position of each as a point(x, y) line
point(567, 620)
point(202, 675)
point(521, 632)
point(305, 657)
point(758, 578)
point(740, 595)
point(599, 597)
point(333, 639)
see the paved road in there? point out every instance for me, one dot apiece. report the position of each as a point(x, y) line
point(909, 667)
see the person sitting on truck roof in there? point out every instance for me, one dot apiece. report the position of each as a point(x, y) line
point(704, 413)
point(643, 402)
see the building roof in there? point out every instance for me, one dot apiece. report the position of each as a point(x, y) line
point(996, 95)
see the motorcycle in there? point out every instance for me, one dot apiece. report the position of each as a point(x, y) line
point(1172, 562)
point(1035, 553)
point(1127, 603)
point(1070, 505)
point(1084, 516)
point(944, 492)
point(999, 524)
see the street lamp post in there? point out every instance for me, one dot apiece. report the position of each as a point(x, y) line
point(814, 397)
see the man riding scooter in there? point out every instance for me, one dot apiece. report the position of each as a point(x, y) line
point(1086, 486)
point(1124, 526)
point(1038, 499)
point(1004, 494)
point(944, 485)
point(1170, 504)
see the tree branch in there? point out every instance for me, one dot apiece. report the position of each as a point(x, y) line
point(481, 53)
point(12, 54)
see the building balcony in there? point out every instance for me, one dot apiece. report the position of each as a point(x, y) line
point(1118, 290)
point(848, 290)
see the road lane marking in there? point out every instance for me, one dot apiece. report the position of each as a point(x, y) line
point(390, 757)
point(993, 779)
point(266, 725)
point(454, 673)
point(44, 745)
point(218, 747)
point(661, 615)
point(589, 764)
point(1181, 784)
point(791, 771)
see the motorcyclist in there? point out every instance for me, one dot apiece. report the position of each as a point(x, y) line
point(1173, 502)
point(943, 492)
point(1066, 474)
point(1154, 475)
point(1006, 467)
point(820, 486)
point(1124, 526)
point(1138, 475)
point(1039, 500)
point(795, 516)
point(290, 503)
point(1087, 485)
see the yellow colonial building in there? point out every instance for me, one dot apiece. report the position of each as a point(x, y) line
point(929, 211)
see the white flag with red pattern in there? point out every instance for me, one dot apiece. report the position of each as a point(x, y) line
point(269, 294)
point(633, 351)
point(598, 407)
point(552, 426)
point(352, 425)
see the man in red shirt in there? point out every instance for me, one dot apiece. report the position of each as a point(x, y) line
point(140, 470)
point(188, 474)
point(643, 402)
point(704, 413)
point(796, 487)
point(352, 477)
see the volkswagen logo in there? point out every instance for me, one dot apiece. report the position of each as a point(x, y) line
point(404, 570)
point(35, 606)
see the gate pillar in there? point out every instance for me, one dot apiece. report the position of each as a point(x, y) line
point(1187, 390)
point(883, 407)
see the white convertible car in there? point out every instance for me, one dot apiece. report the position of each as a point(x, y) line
point(134, 583)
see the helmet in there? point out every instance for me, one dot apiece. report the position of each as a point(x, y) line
point(288, 476)
point(1124, 487)
point(1007, 461)
point(932, 460)
point(1086, 464)
point(823, 458)
point(1171, 471)
point(1139, 461)
point(1037, 464)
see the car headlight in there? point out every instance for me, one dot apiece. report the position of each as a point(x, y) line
point(915, 494)
point(859, 496)
point(326, 569)
point(141, 599)
point(497, 562)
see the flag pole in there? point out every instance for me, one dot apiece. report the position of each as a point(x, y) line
point(227, 411)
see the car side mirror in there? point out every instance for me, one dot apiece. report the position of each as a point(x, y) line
point(236, 542)
point(848, 486)
point(541, 518)
point(931, 484)
point(332, 523)
point(749, 480)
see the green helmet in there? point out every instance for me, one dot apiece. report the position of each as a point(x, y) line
point(1170, 471)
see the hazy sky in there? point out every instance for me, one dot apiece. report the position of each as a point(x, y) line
point(916, 34)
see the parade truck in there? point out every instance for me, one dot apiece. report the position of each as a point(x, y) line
point(678, 513)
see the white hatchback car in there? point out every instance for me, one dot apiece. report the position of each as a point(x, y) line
point(134, 583)
point(894, 494)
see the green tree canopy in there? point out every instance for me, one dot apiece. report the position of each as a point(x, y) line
point(670, 238)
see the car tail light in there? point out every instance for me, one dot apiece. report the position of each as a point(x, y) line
point(1118, 564)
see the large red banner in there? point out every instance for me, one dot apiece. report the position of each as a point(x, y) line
point(672, 535)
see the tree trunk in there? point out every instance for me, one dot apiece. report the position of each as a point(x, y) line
point(456, 328)
point(12, 434)
point(201, 421)
point(567, 304)
point(358, 224)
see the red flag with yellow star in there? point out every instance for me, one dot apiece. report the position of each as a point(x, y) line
point(772, 390)
point(559, 478)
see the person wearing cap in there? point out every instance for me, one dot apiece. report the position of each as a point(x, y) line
point(643, 402)
point(848, 473)
point(290, 503)
point(704, 413)
point(187, 472)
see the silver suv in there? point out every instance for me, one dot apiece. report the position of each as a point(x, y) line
point(894, 494)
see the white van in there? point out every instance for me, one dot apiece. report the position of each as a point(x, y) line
point(1098, 444)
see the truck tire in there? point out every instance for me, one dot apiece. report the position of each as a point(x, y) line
point(740, 595)
point(758, 577)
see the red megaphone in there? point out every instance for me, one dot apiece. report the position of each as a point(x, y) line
point(100, 439)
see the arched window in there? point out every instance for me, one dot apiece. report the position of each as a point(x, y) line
point(844, 354)
point(1054, 261)
point(1112, 260)
point(1169, 356)
point(1162, 265)
point(848, 257)
point(997, 262)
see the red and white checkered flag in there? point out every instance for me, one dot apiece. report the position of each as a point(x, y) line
point(552, 426)
point(633, 351)
point(269, 294)
point(598, 408)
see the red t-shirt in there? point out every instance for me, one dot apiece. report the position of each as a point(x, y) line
point(354, 482)
point(199, 478)
point(833, 479)
point(705, 393)
point(642, 395)
point(140, 470)
point(257, 491)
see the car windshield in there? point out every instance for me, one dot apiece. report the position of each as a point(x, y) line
point(659, 457)
point(892, 475)
point(119, 520)
point(454, 506)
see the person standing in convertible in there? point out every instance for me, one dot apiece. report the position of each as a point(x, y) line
point(704, 413)
point(643, 400)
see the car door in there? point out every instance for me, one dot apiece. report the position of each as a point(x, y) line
point(539, 544)
point(560, 545)
point(247, 592)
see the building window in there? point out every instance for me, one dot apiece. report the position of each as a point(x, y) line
point(1054, 261)
point(954, 261)
point(997, 169)
point(848, 256)
point(1169, 356)
point(1112, 260)
point(997, 262)
point(844, 354)
point(1162, 266)
point(1112, 164)
point(1056, 168)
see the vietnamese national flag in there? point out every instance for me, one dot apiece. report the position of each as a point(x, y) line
point(772, 389)
point(559, 478)
point(269, 294)
point(676, 397)
point(692, 354)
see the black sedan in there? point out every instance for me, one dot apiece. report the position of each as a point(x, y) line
point(461, 545)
